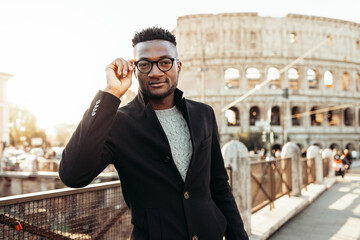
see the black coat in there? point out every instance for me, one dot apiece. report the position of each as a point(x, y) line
point(162, 205)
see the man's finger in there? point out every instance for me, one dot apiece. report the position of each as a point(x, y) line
point(125, 66)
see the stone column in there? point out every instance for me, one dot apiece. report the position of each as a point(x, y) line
point(236, 155)
point(314, 152)
point(328, 153)
point(291, 150)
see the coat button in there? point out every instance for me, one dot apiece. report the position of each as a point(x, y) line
point(186, 195)
point(195, 238)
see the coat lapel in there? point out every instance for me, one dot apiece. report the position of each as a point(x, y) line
point(187, 113)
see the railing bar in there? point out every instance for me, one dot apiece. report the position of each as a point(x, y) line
point(257, 190)
point(262, 189)
point(110, 223)
point(281, 178)
point(260, 206)
point(30, 228)
point(56, 193)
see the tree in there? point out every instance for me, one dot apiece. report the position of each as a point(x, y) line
point(251, 140)
point(22, 126)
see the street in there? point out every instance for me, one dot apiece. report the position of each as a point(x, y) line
point(334, 215)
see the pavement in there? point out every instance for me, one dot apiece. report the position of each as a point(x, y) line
point(330, 210)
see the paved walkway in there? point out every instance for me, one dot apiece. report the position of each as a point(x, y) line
point(334, 215)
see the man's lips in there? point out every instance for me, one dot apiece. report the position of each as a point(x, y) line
point(158, 83)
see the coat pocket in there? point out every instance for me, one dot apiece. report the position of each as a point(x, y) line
point(219, 217)
point(154, 223)
point(138, 217)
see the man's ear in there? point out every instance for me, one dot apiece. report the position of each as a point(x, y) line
point(179, 65)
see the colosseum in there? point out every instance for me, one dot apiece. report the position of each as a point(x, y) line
point(315, 60)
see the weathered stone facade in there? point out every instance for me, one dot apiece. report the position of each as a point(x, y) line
point(226, 55)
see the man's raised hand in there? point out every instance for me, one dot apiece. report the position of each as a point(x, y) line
point(118, 76)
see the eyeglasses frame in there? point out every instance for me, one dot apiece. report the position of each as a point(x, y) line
point(157, 64)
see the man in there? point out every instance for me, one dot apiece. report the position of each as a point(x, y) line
point(164, 147)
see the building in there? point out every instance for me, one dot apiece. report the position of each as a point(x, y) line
point(4, 110)
point(226, 55)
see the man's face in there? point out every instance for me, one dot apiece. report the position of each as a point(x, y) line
point(157, 84)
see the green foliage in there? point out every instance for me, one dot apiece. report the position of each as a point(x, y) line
point(251, 140)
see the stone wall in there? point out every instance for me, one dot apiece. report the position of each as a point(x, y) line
point(209, 45)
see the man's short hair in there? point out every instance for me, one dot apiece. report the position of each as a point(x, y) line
point(153, 33)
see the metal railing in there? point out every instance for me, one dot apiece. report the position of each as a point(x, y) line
point(94, 212)
point(269, 181)
point(308, 171)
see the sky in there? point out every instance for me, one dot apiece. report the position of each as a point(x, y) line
point(57, 50)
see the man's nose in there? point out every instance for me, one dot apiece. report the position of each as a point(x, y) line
point(155, 71)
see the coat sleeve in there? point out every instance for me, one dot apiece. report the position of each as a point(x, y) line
point(221, 191)
point(88, 152)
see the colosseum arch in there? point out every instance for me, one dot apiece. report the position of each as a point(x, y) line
point(293, 77)
point(318, 144)
point(350, 146)
point(275, 116)
point(232, 116)
point(329, 79)
point(253, 77)
point(312, 77)
point(295, 117)
point(292, 37)
point(275, 147)
point(254, 115)
point(345, 81)
point(274, 75)
point(316, 118)
point(348, 117)
point(357, 77)
point(333, 117)
point(335, 146)
point(232, 78)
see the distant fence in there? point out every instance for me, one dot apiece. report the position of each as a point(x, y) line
point(95, 212)
point(269, 181)
point(308, 171)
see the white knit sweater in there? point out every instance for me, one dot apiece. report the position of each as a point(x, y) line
point(178, 135)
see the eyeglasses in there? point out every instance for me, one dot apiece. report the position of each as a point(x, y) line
point(163, 64)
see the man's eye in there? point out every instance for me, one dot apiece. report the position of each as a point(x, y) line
point(165, 62)
point(143, 64)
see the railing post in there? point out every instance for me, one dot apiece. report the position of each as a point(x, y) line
point(236, 155)
point(272, 184)
point(328, 153)
point(292, 151)
point(305, 177)
point(314, 152)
